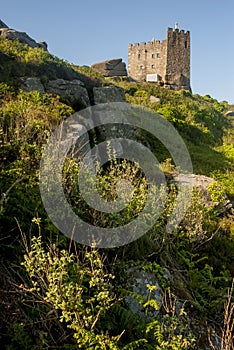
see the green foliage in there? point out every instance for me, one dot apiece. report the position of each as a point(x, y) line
point(201, 123)
point(79, 288)
point(27, 119)
point(20, 60)
point(21, 339)
point(168, 332)
point(216, 192)
point(89, 72)
point(199, 119)
point(226, 178)
point(26, 116)
point(109, 181)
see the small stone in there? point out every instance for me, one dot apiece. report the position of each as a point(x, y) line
point(154, 99)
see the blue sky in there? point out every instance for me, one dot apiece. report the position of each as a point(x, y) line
point(84, 32)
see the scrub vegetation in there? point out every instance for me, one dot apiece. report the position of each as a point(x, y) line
point(58, 294)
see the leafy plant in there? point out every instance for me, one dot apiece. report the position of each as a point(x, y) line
point(78, 287)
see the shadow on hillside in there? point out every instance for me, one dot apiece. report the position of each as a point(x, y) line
point(11, 70)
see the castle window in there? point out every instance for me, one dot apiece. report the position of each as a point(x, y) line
point(139, 56)
point(153, 55)
point(185, 44)
point(158, 55)
point(153, 66)
point(141, 67)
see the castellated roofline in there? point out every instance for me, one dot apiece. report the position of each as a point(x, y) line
point(154, 41)
point(180, 31)
point(144, 44)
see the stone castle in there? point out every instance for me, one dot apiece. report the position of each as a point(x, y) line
point(164, 62)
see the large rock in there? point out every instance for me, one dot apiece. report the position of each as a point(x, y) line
point(111, 68)
point(108, 94)
point(31, 84)
point(3, 25)
point(72, 92)
point(23, 38)
point(144, 285)
point(229, 114)
point(81, 146)
point(202, 184)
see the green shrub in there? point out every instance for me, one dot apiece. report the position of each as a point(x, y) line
point(77, 286)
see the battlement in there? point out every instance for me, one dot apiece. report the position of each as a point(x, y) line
point(177, 34)
point(177, 30)
point(145, 45)
point(151, 42)
point(171, 32)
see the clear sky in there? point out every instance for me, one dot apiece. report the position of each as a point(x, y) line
point(84, 32)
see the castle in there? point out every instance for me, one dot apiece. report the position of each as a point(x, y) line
point(166, 63)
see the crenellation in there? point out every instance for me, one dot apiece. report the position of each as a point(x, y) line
point(168, 60)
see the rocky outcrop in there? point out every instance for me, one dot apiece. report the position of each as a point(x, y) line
point(202, 183)
point(229, 114)
point(43, 45)
point(108, 94)
point(111, 68)
point(22, 37)
point(145, 285)
point(3, 25)
point(31, 84)
point(72, 92)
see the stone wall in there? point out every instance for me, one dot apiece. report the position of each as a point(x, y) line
point(147, 58)
point(178, 58)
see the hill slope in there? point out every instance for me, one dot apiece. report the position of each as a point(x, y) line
point(58, 293)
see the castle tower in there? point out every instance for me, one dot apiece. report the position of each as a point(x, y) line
point(166, 63)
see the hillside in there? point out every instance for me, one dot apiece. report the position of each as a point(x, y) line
point(165, 290)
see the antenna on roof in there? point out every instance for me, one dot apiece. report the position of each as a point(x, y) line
point(176, 25)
